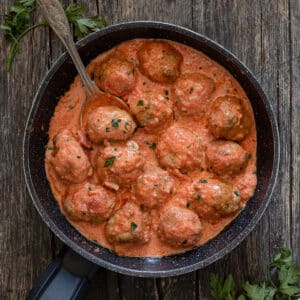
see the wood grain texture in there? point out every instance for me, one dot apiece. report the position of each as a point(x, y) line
point(294, 17)
point(25, 241)
point(265, 35)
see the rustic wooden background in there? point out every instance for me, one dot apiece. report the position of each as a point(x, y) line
point(265, 35)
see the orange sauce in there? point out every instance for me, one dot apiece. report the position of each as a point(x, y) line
point(67, 114)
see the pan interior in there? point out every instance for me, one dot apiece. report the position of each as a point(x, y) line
point(57, 82)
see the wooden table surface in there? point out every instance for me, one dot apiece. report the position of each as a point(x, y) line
point(265, 35)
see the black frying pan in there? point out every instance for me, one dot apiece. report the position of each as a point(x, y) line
point(67, 277)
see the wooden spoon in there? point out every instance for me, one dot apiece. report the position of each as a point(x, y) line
point(55, 15)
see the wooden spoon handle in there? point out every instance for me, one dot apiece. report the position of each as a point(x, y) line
point(57, 19)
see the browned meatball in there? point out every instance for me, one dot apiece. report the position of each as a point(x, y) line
point(213, 198)
point(160, 61)
point(228, 119)
point(179, 227)
point(128, 224)
point(192, 92)
point(115, 75)
point(179, 148)
point(226, 158)
point(91, 203)
point(153, 187)
point(109, 122)
point(69, 160)
point(151, 108)
point(120, 164)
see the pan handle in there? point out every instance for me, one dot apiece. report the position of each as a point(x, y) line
point(66, 278)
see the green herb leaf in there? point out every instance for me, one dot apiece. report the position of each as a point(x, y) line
point(152, 146)
point(282, 267)
point(284, 258)
point(133, 227)
point(50, 148)
point(222, 288)
point(140, 103)
point(289, 277)
point(203, 181)
point(83, 26)
point(127, 124)
point(109, 161)
point(17, 23)
point(115, 123)
point(236, 193)
point(259, 291)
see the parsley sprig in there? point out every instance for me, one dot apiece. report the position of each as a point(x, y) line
point(83, 26)
point(282, 283)
point(18, 22)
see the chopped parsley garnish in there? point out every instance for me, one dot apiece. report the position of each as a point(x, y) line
point(249, 155)
point(203, 181)
point(109, 161)
point(70, 106)
point(115, 123)
point(236, 193)
point(127, 124)
point(151, 145)
point(140, 103)
point(133, 227)
point(50, 148)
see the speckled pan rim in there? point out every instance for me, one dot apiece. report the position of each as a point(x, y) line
point(114, 267)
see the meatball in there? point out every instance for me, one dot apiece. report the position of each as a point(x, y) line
point(115, 75)
point(192, 92)
point(109, 122)
point(160, 61)
point(153, 187)
point(179, 227)
point(226, 157)
point(68, 159)
point(90, 203)
point(120, 164)
point(151, 108)
point(213, 198)
point(128, 224)
point(228, 119)
point(179, 148)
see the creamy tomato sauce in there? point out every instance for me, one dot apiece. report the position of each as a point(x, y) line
point(169, 175)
